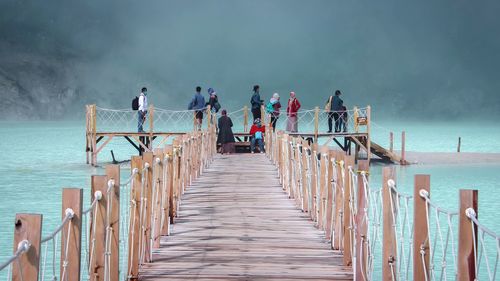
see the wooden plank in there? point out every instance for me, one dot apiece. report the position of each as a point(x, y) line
point(420, 229)
point(98, 235)
point(389, 256)
point(466, 261)
point(72, 198)
point(113, 173)
point(27, 227)
point(243, 226)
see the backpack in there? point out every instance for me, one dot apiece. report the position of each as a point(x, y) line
point(269, 107)
point(135, 103)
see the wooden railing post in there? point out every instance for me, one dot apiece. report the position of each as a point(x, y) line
point(316, 124)
point(466, 261)
point(403, 148)
point(323, 151)
point(361, 233)
point(420, 229)
point(368, 132)
point(72, 198)
point(339, 185)
point(168, 190)
point(391, 141)
point(27, 227)
point(135, 223)
point(98, 236)
point(147, 158)
point(158, 193)
point(389, 260)
point(349, 217)
point(245, 119)
point(113, 173)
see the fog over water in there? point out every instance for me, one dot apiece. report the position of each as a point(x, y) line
point(436, 59)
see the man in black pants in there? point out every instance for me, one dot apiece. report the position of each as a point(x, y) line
point(336, 105)
point(256, 103)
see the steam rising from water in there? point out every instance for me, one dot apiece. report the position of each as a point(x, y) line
point(432, 59)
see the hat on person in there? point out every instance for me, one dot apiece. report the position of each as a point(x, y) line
point(211, 91)
point(276, 96)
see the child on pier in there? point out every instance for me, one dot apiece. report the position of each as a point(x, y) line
point(257, 136)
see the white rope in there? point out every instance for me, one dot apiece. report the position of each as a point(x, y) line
point(22, 248)
point(482, 245)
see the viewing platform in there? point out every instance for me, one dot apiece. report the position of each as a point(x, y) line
point(161, 126)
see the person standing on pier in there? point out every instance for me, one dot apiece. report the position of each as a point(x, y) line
point(291, 111)
point(334, 106)
point(143, 109)
point(273, 108)
point(256, 102)
point(225, 136)
point(198, 105)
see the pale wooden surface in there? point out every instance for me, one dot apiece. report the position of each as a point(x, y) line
point(236, 223)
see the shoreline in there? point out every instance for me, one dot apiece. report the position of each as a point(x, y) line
point(451, 158)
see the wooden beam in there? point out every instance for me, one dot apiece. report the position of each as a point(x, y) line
point(113, 173)
point(98, 235)
point(141, 144)
point(420, 229)
point(132, 143)
point(349, 217)
point(27, 227)
point(466, 261)
point(362, 225)
point(135, 223)
point(389, 251)
point(72, 198)
point(147, 158)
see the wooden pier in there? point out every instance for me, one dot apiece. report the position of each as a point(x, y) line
point(237, 223)
point(302, 211)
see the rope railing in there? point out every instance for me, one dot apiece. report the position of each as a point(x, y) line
point(382, 232)
point(114, 236)
point(486, 245)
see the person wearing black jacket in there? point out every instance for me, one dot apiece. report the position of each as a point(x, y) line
point(256, 102)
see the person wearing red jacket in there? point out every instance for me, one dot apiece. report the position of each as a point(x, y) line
point(257, 136)
point(291, 112)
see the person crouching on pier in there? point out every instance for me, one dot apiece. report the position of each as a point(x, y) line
point(198, 105)
point(333, 107)
point(273, 108)
point(291, 111)
point(143, 109)
point(257, 132)
point(225, 136)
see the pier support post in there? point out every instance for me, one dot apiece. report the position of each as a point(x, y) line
point(420, 229)
point(27, 227)
point(466, 261)
point(403, 148)
point(391, 142)
point(245, 119)
point(72, 198)
point(113, 223)
point(368, 131)
point(389, 259)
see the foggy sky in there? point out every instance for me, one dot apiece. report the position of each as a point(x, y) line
point(434, 59)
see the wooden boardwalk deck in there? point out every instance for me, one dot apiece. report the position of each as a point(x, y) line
point(236, 223)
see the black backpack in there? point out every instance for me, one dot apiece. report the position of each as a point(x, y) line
point(135, 103)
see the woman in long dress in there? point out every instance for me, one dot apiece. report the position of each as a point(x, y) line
point(291, 111)
point(225, 137)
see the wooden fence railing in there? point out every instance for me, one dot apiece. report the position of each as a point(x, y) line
point(115, 235)
point(375, 228)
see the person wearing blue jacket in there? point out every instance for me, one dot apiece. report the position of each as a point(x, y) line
point(198, 105)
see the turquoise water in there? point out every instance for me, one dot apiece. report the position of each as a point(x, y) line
point(40, 158)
